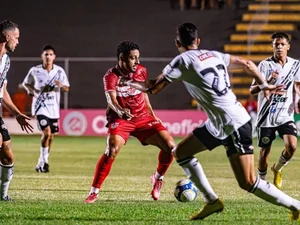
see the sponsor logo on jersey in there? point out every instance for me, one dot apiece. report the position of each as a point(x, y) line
point(278, 99)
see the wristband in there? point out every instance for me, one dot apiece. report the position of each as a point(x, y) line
point(263, 85)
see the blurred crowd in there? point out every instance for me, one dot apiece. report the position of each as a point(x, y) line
point(203, 4)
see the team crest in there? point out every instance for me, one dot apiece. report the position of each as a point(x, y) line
point(265, 140)
point(114, 125)
point(43, 122)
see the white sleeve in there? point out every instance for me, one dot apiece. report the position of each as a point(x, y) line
point(64, 79)
point(223, 56)
point(297, 75)
point(29, 78)
point(263, 69)
point(173, 70)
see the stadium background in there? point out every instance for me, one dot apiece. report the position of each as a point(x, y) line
point(86, 34)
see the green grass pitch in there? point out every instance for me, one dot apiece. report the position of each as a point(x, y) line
point(57, 197)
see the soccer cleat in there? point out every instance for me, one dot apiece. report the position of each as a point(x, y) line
point(91, 198)
point(42, 168)
point(7, 199)
point(209, 209)
point(39, 168)
point(277, 177)
point(156, 187)
point(295, 215)
point(46, 168)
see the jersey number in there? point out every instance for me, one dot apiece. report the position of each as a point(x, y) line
point(215, 83)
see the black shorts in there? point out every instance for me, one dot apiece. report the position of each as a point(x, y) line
point(266, 135)
point(239, 141)
point(3, 130)
point(44, 121)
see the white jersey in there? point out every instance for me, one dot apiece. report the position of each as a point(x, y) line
point(4, 67)
point(280, 109)
point(47, 103)
point(204, 74)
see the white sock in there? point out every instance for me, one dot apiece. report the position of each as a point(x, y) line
point(45, 154)
point(282, 162)
point(158, 176)
point(270, 193)
point(262, 174)
point(195, 173)
point(94, 190)
point(41, 158)
point(6, 174)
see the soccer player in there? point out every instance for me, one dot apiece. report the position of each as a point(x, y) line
point(44, 82)
point(130, 113)
point(204, 74)
point(9, 39)
point(277, 114)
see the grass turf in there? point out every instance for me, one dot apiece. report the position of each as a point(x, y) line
point(57, 197)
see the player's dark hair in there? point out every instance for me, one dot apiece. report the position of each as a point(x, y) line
point(125, 47)
point(49, 47)
point(186, 34)
point(5, 26)
point(280, 35)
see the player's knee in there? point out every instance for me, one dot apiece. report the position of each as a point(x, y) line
point(112, 151)
point(7, 159)
point(247, 184)
point(177, 153)
point(46, 135)
point(291, 148)
point(51, 137)
point(265, 151)
point(171, 144)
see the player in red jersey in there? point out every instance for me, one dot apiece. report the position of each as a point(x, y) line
point(130, 113)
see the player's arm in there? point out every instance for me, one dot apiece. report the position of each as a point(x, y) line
point(61, 86)
point(271, 78)
point(149, 106)
point(236, 62)
point(254, 89)
point(30, 89)
point(11, 107)
point(149, 86)
point(262, 84)
point(28, 85)
point(111, 98)
point(8, 103)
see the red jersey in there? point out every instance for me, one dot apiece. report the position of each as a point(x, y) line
point(127, 97)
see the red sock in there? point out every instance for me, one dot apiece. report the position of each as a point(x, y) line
point(102, 170)
point(164, 161)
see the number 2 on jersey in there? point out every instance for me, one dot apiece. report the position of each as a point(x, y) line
point(215, 84)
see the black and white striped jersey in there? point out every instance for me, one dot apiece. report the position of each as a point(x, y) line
point(47, 103)
point(4, 67)
point(280, 108)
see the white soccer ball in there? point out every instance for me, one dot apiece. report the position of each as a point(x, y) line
point(185, 191)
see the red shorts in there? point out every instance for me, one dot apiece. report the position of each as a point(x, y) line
point(142, 128)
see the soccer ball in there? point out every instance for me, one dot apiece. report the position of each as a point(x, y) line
point(185, 191)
